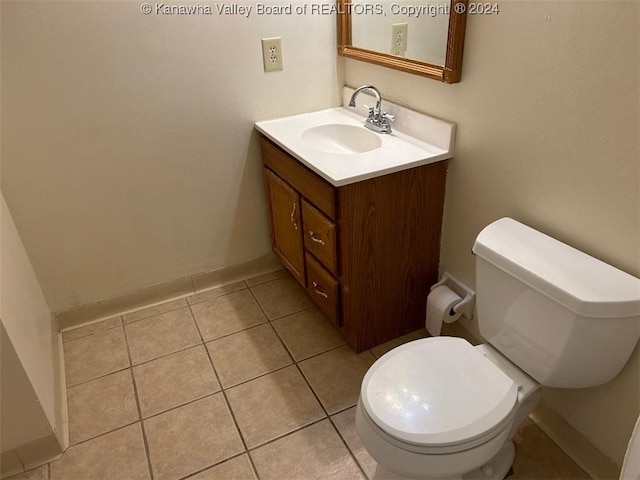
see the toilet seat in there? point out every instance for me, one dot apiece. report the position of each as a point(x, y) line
point(440, 394)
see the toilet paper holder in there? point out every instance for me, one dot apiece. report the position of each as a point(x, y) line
point(468, 296)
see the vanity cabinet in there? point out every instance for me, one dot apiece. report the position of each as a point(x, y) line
point(366, 252)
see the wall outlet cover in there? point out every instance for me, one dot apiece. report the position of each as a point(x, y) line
point(399, 38)
point(272, 54)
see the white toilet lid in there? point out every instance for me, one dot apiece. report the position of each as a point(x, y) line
point(437, 391)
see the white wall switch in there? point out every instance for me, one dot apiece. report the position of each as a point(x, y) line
point(272, 54)
point(399, 38)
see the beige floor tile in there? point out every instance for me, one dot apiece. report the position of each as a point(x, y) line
point(267, 277)
point(315, 452)
point(155, 310)
point(216, 292)
point(90, 357)
point(273, 405)
point(101, 405)
point(92, 328)
point(160, 335)
point(227, 314)
point(345, 422)
point(386, 347)
point(336, 376)
point(281, 297)
point(537, 457)
point(190, 438)
point(40, 473)
point(116, 455)
point(174, 380)
point(238, 468)
point(307, 333)
point(247, 354)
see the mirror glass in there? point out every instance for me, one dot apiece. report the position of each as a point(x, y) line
point(424, 38)
point(406, 28)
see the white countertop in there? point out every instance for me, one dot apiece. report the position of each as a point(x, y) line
point(398, 151)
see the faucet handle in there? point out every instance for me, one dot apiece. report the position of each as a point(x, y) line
point(388, 116)
point(371, 110)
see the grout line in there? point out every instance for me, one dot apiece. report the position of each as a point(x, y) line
point(175, 407)
point(213, 465)
point(130, 322)
point(90, 333)
point(257, 300)
point(145, 442)
point(193, 285)
point(102, 434)
point(312, 307)
point(335, 427)
point(226, 335)
point(164, 355)
point(84, 382)
point(286, 434)
point(283, 269)
point(222, 389)
point(203, 292)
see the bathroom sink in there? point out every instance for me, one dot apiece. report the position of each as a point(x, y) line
point(341, 138)
point(335, 144)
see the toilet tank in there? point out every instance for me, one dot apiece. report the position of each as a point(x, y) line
point(567, 319)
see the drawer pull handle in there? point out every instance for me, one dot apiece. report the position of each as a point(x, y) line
point(316, 239)
point(293, 212)
point(319, 292)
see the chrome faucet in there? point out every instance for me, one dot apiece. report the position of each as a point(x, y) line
point(378, 121)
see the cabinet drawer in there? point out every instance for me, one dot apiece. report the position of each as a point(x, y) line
point(323, 289)
point(310, 185)
point(319, 236)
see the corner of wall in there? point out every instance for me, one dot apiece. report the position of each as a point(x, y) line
point(31, 455)
point(574, 444)
point(59, 388)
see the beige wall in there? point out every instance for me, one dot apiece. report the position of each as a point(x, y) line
point(25, 314)
point(548, 121)
point(23, 418)
point(128, 152)
point(29, 407)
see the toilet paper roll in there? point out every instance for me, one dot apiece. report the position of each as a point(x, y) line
point(440, 303)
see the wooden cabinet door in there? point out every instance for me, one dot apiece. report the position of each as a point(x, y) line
point(286, 224)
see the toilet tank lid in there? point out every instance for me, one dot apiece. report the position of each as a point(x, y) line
point(583, 284)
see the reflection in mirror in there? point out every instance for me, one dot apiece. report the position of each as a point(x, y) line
point(406, 29)
point(409, 35)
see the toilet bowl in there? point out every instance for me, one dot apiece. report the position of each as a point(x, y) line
point(443, 406)
point(440, 408)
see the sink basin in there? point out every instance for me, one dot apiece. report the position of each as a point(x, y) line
point(341, 138)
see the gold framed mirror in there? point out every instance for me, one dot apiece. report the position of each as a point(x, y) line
point(450, 69)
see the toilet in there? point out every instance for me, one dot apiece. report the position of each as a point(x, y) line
point(440, 408)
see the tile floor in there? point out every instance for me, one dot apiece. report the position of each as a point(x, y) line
point(242, 382)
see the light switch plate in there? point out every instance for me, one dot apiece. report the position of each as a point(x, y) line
point(399, 38)
point(272, 54)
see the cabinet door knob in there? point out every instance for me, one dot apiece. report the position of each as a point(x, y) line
point(319, 292)
point(316, 239)
point(293, 212)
